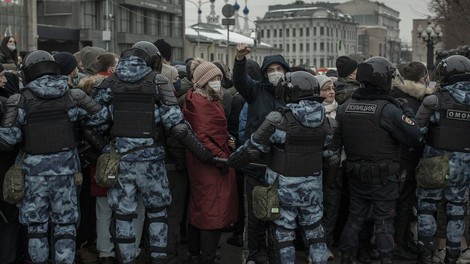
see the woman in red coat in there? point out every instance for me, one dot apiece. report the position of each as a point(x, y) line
point(213, 200)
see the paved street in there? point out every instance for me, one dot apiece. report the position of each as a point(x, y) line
point(232, 255)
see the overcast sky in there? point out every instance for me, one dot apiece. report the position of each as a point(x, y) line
point(409, 10)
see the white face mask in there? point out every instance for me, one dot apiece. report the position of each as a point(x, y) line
point(214, 85)
point(274, 77)
point(11, 47)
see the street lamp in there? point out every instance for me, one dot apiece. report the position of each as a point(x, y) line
point(198, 4)
point(431, 36)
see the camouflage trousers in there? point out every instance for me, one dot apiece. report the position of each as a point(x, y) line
point(309, 217)
point(51, 198)
point(149, 178)
point(455, 207)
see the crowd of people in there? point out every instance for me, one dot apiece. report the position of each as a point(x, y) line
point(126, 156)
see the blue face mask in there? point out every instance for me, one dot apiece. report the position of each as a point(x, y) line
point(177, 85)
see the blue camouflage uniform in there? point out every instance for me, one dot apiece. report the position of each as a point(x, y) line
point(299, 196)
point(141, 171)
point(456, 193)
point(50, 188)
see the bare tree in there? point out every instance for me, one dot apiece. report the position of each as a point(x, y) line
point(454, 19)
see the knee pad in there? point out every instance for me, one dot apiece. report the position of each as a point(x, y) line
point(114, 239)
point(161, 218)
point(315, 228)
point(274, 245)
point(384, 226)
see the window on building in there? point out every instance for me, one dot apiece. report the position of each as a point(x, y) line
point(137, 20)
point(88, 20)
point(287, 32)
point(293, 47)
point(125, 21)
point(301, 61)
point(322, 31)
point(287, 47)
point(294, 62)
point(314, 31)
point(307, 32)
point(322, 46)
point(262, 33)
point(301, 32)
point(294, 32)
point(314, 46)
point(327, 31)
point(322, 62)
point(301, 48)
point(150, 23)
point(280, 46)
point(307, 47)
point(327, 47)
point(179, 26)
point(275, 33)
point(166, 24)
point(268, 33)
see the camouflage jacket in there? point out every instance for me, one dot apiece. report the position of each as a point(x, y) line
point(297, 190)
point(60, 163)
point(133, 69)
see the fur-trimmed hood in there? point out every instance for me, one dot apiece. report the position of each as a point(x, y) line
point(415, 89)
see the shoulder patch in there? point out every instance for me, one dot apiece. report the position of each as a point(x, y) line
point(361, 108)
point(458, 115)
point(407, 120)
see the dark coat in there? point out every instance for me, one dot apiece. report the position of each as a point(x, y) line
point(260, 95)
point(213, 200)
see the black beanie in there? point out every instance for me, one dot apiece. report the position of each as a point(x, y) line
point(67, 62)
point(345, 66)
point(164, 48)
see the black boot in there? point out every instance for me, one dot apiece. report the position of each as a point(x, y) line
point(363, 256)
point(386, 259)
point(346, 258)
point(451, 256)
point(425, 247)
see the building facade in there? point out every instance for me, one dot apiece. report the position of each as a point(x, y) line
point(69, 25)
point(379, 33)
point(310, 35)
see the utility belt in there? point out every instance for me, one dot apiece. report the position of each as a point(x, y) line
point(377, 173)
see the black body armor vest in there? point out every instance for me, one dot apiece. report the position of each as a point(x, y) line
point(363, 137)
point(48, 128)
point(301, 155)
point(133, 107)
point(451, 132)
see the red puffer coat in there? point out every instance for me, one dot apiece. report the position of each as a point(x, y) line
point(213, 200)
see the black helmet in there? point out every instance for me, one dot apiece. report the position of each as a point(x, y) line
point(296, 86)
point(376, 72)
point(452, 69)
point(39, 63)
point(146, 51)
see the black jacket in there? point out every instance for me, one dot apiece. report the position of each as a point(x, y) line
point(258, 94)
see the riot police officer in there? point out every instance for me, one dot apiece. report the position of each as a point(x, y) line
point(446, 115)
point(43, 117)
point(296, 137)
point(372, 125)
point(144, 108)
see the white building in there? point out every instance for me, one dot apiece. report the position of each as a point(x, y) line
point(209, 41)
point(309, 34)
